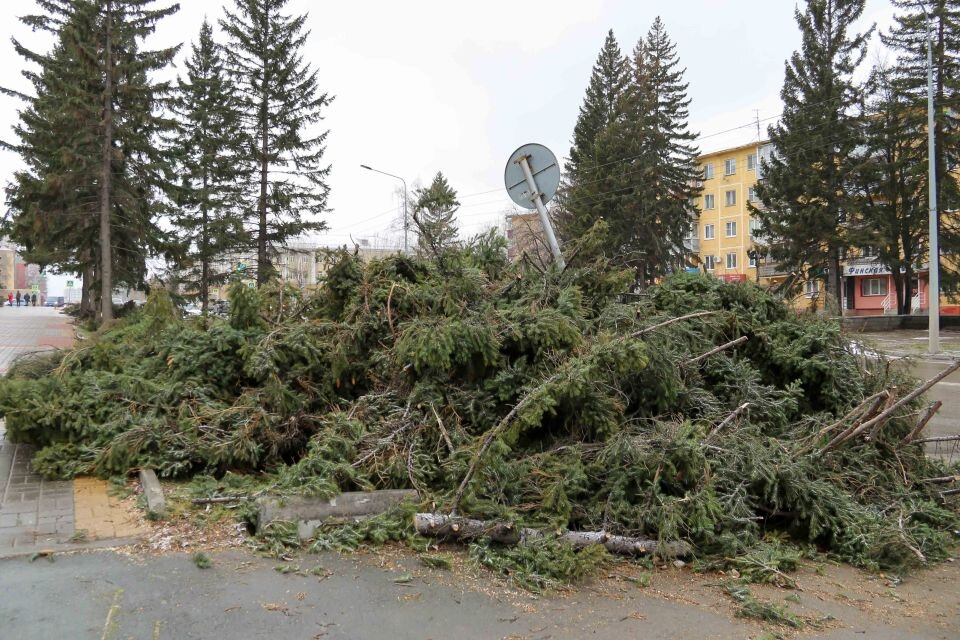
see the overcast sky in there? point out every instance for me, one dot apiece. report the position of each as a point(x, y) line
point(433, 86)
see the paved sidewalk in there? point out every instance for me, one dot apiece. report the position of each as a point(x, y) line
point(33, 512)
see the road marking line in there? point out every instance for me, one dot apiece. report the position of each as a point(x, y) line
point(156, 629)
point(110, 626)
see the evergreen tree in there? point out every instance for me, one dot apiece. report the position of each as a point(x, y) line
point(908, 38)
point(649, 175)
point(889, 184)
point(608, 81)
point(53, 199)
point(281, 105)
point(212, 143)
point(805, 183)
point(96, 101)
point(433, 213)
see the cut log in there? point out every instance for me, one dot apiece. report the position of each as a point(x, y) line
point(219, 499)
point(940, 480)
point(439, 525)
point(310, 513)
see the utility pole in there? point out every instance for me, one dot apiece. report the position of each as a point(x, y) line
point(406, 220)
point(933, 287)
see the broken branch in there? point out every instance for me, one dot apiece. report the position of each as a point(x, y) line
point(924, 419)
point(660, 325)
point(716, 350)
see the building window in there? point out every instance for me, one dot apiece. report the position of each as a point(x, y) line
point(709, 201)
point(708, 171)
point(731, 261)
point(811, 288)
point(766, 155)
point(754, 228)
point(752, 194)
point(710, 262)
point(709, 232)
point(752, 259)
point(873, 286)
point(751, 162)
point(730, 197)
point(729, 166)
point(732, 229)
point(868, 252)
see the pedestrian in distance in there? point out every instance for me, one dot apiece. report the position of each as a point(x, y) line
point(33, 300)
point(10, 297)
point(18, 298)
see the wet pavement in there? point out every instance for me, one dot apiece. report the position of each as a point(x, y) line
point(388, 594)
point(910, 347)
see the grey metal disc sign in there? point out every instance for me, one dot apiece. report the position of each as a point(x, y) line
point(545, 170)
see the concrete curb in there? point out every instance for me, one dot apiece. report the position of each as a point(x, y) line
point(152, 491)
point(72, 547)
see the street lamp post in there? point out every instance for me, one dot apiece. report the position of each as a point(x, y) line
point(406, 224)
point(933, 293)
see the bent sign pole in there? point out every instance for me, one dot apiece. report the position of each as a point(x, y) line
point(532, 177)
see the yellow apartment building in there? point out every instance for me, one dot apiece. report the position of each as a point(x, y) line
point(725, 232)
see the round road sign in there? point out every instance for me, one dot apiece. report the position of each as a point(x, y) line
point(545, 170)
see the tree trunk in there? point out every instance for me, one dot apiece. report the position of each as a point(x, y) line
point(264, 267)
point(263, 264)
point(908, 289)
point(440, 525)
point(898, 286)
point(106, 266)
point(837, 277)
point(204, 254)
point(88, 309)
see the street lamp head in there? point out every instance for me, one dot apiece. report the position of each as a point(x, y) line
point(363, 166)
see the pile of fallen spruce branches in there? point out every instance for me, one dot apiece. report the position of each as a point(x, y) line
point(698, 417)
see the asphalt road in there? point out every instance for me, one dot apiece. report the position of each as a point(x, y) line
point(947, 420)
point(108, 596)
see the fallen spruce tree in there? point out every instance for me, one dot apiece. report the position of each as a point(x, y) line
point(698, 414)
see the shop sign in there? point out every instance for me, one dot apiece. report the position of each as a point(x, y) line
point(867, 270)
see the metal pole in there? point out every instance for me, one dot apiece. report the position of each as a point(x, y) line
point(406, 222)
point(542, 210)
point(933, 287)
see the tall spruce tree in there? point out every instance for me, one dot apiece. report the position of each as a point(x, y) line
point(433, 212)
point(608, 81)
point(282, 106)
point(889, 184)
point(913, 26)
point(648, 175)
point(94, 94)
point(805, 188)
point(53, 199)
point(211, 144)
